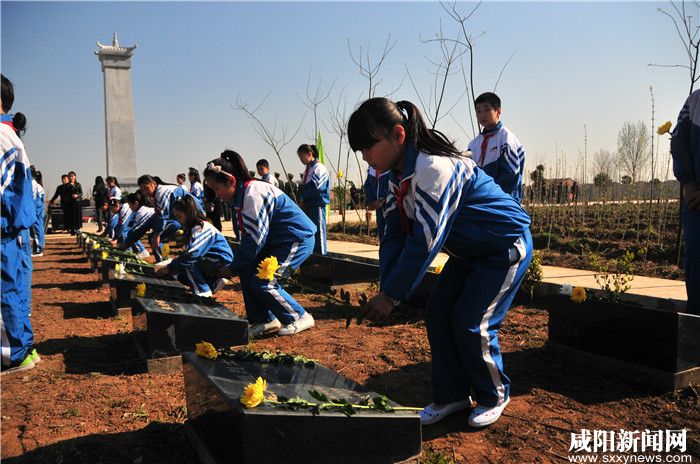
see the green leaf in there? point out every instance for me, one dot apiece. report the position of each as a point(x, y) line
point(318, 396)
point(348, 410)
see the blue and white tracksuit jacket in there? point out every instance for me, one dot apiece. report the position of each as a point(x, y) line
point(197, 191)
point(117, 225)
point(449, 203)
point(136, 226)
point(685, 150)
point(204, 240)
point(270, 179)
point(114, 192)
point(499, 152)
point(315, 194)
point(374, 190)
point(165, 224)
point(37, 229)
point(18, 215)
point(271, 224)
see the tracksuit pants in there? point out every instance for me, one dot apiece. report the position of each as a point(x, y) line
point(317, 214)
point(16, 335)
point(266, 300)
point(201, 284)
point(464, 312)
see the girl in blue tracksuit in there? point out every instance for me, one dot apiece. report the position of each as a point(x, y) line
point(203, 240)
point(196, 188)
point(18, 215)
point(271, 224)
point(164, 196)
point(376, 188)
point(315, 193)
point(37, 229)
point(440, 199)
point(118, 225)
point(136, 224)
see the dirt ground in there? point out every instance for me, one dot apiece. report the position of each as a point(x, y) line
point(90, 400)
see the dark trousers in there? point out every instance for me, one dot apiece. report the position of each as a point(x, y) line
point(99, 216)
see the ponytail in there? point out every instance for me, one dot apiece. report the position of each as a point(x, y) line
point(147, 179)
point(228, 166)
point(376, 117)
point(19, 121)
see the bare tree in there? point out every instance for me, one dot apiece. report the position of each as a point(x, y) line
point(313, 98)
point(444, 68)
point(632, 145)
point(604, 163)
point(275, 137)
point(369, 69)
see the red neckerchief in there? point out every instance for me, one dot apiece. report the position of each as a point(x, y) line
point(240, 210)
point(400, 193)
point(9, 123)
point(485, 142)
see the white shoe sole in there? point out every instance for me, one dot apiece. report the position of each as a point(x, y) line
point(297, 326)
point(479, 425)
point(434, 416)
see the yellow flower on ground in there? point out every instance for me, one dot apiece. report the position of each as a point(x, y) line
point(205, 350)
point(664, 128)
point(141, 290)
point(95, 246)
point(340, 174)
point(254, 393)
point(105, 255)
point(438, 269)
point(117, 268)
point(267, 268)
point(180, 232)
point(165, 251)
point(578, 295)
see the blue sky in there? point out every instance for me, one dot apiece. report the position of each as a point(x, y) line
point(574, 64)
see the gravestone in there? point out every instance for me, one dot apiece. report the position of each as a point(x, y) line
point(169, 327)
point(122, 286)
point(228, 433)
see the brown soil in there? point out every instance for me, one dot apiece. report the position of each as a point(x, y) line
point(90, 399)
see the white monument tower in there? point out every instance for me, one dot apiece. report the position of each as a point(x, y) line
point(119, 112)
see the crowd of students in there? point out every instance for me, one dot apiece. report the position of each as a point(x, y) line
point(428, 195)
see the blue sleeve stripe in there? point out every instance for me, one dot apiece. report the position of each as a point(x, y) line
point(203, 238)
point(7, 154)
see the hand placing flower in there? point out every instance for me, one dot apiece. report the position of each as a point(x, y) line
point(206, 350)
point(267, 268)
point(254, 393)
point(664, 128)
point(141, 290)
point(578, 295)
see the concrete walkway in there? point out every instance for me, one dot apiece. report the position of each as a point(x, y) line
point(646, 286)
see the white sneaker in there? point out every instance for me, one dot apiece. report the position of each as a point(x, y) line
point(436, 412)
point(143, 255)
point(219, 285)
point(304, 322)
point(482, 416)
point(38, 255)
point(259, 330)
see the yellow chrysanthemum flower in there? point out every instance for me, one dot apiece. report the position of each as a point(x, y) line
point(340, 174)
point(254, 393)
point(105, 255)
point(180, 232)
point(141, 290)
point(205, 350)
point(664, 128)
point(95, 246)
point(578, 295)
point(438, 268)
point(267, 268)
point(165, 251)
point(117, 268)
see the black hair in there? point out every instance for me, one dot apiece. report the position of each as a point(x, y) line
point(193, 215)
point(147, 179)
point(490, 98)
point(36, 175)
point(72, 173)
point(181, 176)
point(115, 201)
point(99, 181)
point(138, 197)
point(7, 94)
point(113, 179)
point(19, 122)
point(233, 164)
point(194, 173)
point(290, 176)
point(305, 148)
point(375, 118)
point(263, 162)
point(277, 175)
point(64, 176)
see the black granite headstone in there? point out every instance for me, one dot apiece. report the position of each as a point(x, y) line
point(121, 287)
point(268, 434)
point(169, 327)
point(664, 340)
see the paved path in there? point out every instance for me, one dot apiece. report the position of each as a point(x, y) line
point(647, 286)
